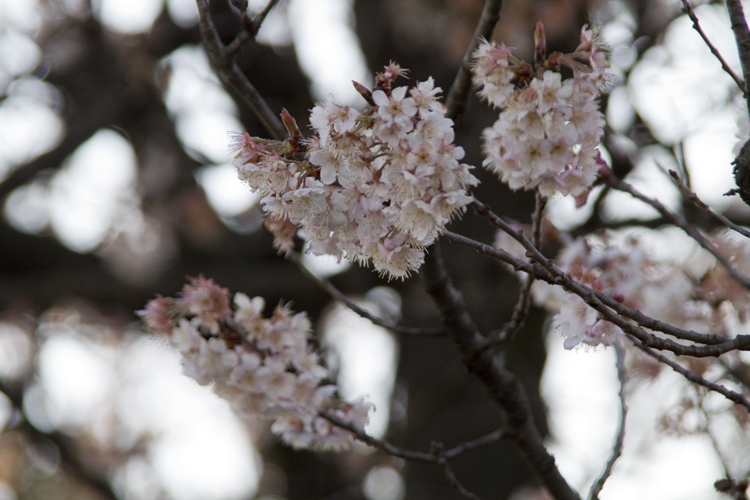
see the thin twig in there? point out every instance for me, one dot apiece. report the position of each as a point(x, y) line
point(697, 379)
point(415, 456)
point(714, 442)
point(596, 488)
point(697, 27)
point(455, 103)
point(691, 196)
point(450, 476)
point(344, 300)
point(479, 442)
point(227, 68)
point(739, 372)
point(523, 304)
point(679, 221)
point(251, 28)
point(742, 36)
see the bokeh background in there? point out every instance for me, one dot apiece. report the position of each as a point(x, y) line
point(116, 185)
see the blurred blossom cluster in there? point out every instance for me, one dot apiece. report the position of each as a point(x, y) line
point(548, 129)
point(692, 293)
point(378, 185)
point(264, 367)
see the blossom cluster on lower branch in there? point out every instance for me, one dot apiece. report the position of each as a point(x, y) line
point(264, 367)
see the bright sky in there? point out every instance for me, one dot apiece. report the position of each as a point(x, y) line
point(678, 88)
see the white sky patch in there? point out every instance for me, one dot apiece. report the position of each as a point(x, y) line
point(328, 49)
point(193, 86)
point(708, 153)
point(650, 177)
point(76, 378)
point(27, 208)
point(563, 213)
point(85, 193)
point(367, 359)
point(16, 351)
point(27, 129)
point(202, 450)
point(128, 17)
point(206, 132)
point(226, 194)
point(202, 110)
point(677, 83)
point(25, 15)
point(323, 266)
point(384, 483)
point(580, 388)
point(19, 53)
point(183, 12)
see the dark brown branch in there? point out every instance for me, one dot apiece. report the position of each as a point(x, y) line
point(523, 304)
point(680, 222)
point(227, 68)
point(502, 384)
point(450, 476)
point(344, 300)
point(697, 27)
point(545, 269)
point(251, 28)
point(741, 35)
point(596, 488)
point(691, 196)
point(455, 102)
point(696, 379)
point(612, 310)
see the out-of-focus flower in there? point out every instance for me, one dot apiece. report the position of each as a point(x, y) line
point(264, 367)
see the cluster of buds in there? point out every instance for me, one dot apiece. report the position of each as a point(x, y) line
point(373, 185)
point(264, 367)
point(548, 130)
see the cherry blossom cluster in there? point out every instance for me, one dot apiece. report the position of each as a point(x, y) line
point(548, 129)
point(693, 292)
point(264, 367)
point(375, 185)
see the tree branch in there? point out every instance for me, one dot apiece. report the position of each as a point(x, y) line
point(251, 28)
point(697, 27)
point(545, 269)
point(679, 221)
point(741, 35)
point(502, 384)
point(455, 103)
point(450, 476)
point(610, 309)
point(227, 68)
point(696, 379)
point(691, 196)
point(415, 456)
point(523, 303)
point(344, 300)
point(596, 488)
